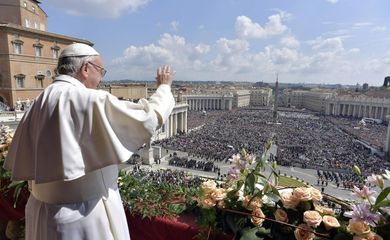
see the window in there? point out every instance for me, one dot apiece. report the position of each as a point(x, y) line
point(27, 21)
point(38, 48)
point(20, 80)
point(17, 46)
point(48, 73)
point(25, 5)
point(55, 50)
point(35, 25)
point(38, 51)
point(33, 9)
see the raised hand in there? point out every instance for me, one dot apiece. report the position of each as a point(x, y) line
point(164, 75)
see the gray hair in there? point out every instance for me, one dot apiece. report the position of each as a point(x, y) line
point(71, 65)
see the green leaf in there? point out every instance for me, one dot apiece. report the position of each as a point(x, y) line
point(15, 184)
point(255, 234)
point(259, 174)
point(250, 182)
point(382, 196)
point(275, 191)
point(385, 203)
point(239, 184)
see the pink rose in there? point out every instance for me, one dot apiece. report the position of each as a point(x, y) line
point(358, 227)
point(218, 194)
point(312, 218)
point(302, 194)
point(281, 215)
point(288, 200)
point(330, 222)
point(304, 232)
point(315, 194)
point(257, 217)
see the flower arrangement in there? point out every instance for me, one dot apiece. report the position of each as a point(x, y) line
point(254, 206)
point(6, 185)
point(369, 217)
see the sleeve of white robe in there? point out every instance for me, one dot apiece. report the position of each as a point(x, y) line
point(71, 130)
point(124, 126)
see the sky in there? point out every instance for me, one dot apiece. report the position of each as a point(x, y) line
point(303, 41)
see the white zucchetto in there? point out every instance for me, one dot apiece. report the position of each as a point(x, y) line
point(78, 50)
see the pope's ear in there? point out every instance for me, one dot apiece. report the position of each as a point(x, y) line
point(84, 70)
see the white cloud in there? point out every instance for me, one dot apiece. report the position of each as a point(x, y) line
point(290, 42)
point(362, 24)
point(281, 56)
point(247, 29)
point(174, 26)
point(354, 50)
point(332, 1)
point(233, 59)
point(138, 62)
point(329, 44)
point(226, 46)
point(100, 8)
point(379, 29)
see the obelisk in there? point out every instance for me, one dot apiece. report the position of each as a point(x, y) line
point(275, 113)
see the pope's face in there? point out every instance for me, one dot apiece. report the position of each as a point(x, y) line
point(95, 73)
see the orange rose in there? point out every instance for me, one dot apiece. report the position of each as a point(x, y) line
point(330, 222)
point(302, 194)
point(358, 227)
point(323, 210)
point(303, 232)
point(208, 186)
point(258, 217)
point(312, 218)
point(373, 236)
point(370, 236)
point(255, 203)
point(207, 203)
point(281, 215)
point(315, 194)
point(218, 194)
point(288, 200)
point(221, 204)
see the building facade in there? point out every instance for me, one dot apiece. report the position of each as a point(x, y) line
point(241, 98)
point(260, 97)
point(28, 53)
point(126, 91)
point(312, 100)
point(329, 103)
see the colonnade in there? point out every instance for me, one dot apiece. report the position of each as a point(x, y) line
point(209, 103)
point(176, 122)
point(359, 110)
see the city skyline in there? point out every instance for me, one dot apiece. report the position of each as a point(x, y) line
point(304, 41)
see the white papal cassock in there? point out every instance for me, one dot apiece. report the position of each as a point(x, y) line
point(68, 146)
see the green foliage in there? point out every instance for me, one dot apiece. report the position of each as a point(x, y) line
point(150, 199)
point(381, 200)
point(255, 234)
point(7, 186)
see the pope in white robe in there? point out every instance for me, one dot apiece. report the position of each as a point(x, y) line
point(69, 144)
